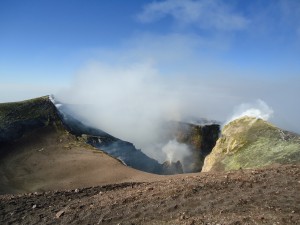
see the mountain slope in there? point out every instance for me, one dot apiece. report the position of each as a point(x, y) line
point(38, 153)
point(249, 143)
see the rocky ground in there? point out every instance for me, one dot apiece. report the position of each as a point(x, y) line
point(261, 196)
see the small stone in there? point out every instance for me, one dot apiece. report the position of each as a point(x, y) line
point(193, 222)
point(60, 213)
point(34, 206)
point(76, 190)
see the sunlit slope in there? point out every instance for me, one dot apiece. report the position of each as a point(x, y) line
point(250, 143)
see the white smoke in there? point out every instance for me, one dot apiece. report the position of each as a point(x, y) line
point(130, 102)
point(258, 109)
point(52, 99)
point(175, 151)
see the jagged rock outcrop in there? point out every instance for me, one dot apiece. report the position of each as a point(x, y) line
point(250, 143)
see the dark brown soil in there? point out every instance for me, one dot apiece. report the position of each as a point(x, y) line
point(262, 196)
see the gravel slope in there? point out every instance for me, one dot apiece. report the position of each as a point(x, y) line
point(261, 196)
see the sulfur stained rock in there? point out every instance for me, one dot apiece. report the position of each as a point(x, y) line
point(251, 143)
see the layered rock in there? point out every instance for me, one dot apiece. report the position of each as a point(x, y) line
point(250, 143)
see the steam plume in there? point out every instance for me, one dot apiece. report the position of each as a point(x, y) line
point(175, 151)
point(258, 109)
point(130, 102)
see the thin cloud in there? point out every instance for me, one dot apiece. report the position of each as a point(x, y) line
point(204, 14)
point(277, 21)
point(291, 16)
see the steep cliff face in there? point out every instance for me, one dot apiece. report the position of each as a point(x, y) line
point(250, 143)
point(199, 138)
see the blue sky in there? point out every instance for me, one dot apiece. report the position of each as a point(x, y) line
point(44, 40)
point(247, 50)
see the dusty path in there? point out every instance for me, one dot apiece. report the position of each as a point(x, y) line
point(262, 196)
